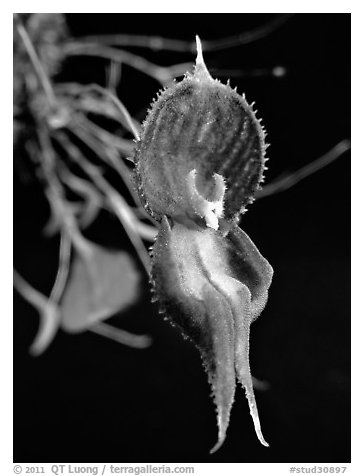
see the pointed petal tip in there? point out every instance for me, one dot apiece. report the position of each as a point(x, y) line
point(216, 447)
point(259, 433)
point(219, 442)
point(264, 443)
point(199, 59)
point(255, 416)
point(200, 68)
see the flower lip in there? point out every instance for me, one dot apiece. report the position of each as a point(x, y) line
point(209, 209)
point(212, 287)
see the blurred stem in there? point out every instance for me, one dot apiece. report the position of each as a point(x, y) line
point(113, 76)
point(121, 336)
point(91, 196)
point(101, 142)
point(48, 312)
point(179, 69)
point(131, 124)
point(276, 72)
point(77, 48)
point(158, 43)
point(117, 203)
point(147, 232)
point(106, 139)
point(63, 268)
point(37, 65)
point(30, 294)
point(67, 218)
point(289, 180)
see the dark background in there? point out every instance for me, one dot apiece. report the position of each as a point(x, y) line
point(89, 399)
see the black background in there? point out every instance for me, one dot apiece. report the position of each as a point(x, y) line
point(89, 399)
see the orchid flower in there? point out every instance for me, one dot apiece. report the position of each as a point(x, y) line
point(199, 160)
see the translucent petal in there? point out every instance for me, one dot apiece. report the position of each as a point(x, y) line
point(102, 283)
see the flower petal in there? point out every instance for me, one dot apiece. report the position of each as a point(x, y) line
point(212, 287)
point(102, 283)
